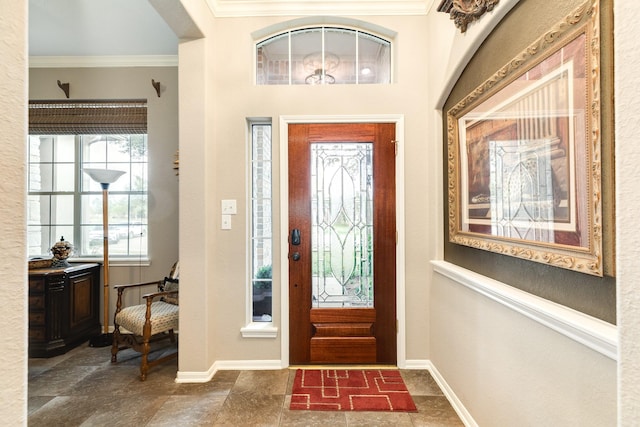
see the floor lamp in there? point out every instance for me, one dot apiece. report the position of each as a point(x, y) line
point(104, 177)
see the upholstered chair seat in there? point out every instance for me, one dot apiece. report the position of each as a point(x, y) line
point(164, 316)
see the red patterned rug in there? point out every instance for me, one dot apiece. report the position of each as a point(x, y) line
point(350, 390)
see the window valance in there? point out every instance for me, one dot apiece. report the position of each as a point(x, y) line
point(87, 117)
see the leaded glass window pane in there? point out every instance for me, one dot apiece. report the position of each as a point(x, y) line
point(342, 224)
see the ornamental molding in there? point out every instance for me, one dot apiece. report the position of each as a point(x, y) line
point(463, 12)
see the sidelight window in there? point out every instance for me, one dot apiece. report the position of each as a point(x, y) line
point(261, 222)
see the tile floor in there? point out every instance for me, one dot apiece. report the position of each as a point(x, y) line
point(82, 388)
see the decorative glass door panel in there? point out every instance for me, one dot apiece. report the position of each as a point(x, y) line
point(342, 225)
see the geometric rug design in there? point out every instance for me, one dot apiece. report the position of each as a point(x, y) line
point(350, 390)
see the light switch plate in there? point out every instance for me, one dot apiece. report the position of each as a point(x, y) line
point(229, 207)
point(226, 222)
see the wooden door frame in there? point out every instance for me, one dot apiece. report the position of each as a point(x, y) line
point(285, 121)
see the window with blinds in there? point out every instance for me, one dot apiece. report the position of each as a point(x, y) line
point(67, 137)
point(87, 117)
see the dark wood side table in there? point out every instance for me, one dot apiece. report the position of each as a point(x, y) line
point(64, 308)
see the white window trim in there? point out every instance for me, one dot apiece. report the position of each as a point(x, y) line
point(259, 330)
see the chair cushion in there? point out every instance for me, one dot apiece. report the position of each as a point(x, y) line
point(164, 317)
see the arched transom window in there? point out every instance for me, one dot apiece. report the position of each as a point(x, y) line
point(323, 55)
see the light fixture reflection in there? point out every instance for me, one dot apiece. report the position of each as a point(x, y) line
point(319, 77)
point(320, 65)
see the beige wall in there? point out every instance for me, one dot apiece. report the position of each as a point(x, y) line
point(13, 134)
point(508, 370)
point(627, 101)
point(233, 99)
point(247, 100)
point(198, 340)
point(134, 83)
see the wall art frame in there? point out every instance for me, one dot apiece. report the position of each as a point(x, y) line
point(524, 152)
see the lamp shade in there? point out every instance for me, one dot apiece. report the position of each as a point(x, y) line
point(103, 176)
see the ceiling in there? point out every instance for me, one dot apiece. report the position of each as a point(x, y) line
point(97, 28)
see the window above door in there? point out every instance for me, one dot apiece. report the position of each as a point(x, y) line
point(323, 55)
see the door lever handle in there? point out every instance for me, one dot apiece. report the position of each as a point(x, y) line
point(295, 237)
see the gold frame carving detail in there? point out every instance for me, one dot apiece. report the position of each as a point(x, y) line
point(463, 12)
point(524, 152)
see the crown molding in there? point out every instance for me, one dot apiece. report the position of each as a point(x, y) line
point(247, 8)
point(103, 61)
point(322, 20)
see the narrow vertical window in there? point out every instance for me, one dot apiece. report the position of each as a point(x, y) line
point(261, 221)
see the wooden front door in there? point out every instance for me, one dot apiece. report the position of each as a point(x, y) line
point(342, 243)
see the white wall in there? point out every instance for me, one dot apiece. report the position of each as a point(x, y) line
point(627, 105)
point(13, 134)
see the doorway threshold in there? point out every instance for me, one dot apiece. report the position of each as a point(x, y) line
point(340, 366)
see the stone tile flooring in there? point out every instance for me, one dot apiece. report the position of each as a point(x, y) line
point(83, 388)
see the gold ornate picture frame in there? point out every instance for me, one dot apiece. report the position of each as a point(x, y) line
point(524, 168)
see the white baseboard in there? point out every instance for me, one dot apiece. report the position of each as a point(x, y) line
point(417, 364)
point(460, 409)
point(248, 365)
point(228, 365)
point(196, 377)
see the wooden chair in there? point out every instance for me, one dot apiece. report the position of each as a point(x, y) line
point(148, 322)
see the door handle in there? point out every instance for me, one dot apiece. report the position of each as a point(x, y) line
point(295, 237)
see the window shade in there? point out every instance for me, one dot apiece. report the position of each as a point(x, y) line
point(87, 117)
